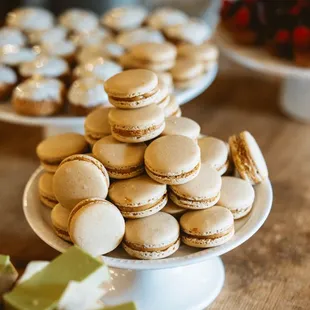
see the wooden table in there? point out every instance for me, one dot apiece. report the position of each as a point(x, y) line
point(271, 270)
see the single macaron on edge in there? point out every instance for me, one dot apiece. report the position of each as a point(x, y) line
point(207, 228)
point(80, 177)
point(172, 160)
point(237, 195)
point(122, 160)
point(132, 89)
point(201, 192)
point(53, 150)
point(59, 218)
point(96, 226)
point(248, 158)
point(152, 237)
point(138, 197)
point(137, 125)
point(46, 193)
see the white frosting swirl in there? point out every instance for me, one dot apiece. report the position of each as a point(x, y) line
point(14, 55)
point(39, 89)
point(13, 36)
point(44, 66)
point(7, 75)
point(52, 35)
point(87, 92)
point(61, 48)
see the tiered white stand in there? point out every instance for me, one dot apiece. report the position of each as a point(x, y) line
point(64, 123)
point(295, 91)
point(188, 280)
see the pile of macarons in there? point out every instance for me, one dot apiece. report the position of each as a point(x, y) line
point(146, 181)
point(52, 65)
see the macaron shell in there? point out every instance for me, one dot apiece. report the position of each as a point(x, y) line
point(172, 209)
point(47, 196)
point(173, 108)
point(185, 69)
point(59, 217)
point(203, 52)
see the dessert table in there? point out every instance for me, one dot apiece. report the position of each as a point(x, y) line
point(270, 271)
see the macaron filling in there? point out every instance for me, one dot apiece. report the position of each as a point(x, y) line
point(119, 171)
point(139, 247)
point(214, 236)
point(137, 133)
point(135, 98)
point(47, 198)
point(62, 233)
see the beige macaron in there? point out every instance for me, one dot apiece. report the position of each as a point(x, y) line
point(200, 193)
point(207, 228)
point(153, 56)
point(137, 125)
point(237, 195)
point(80, 177)
point(138, 197)
point(132, 89)
point(181, 126)
point(187, 73)
point(54, 149)
point(163, 97)
point(173, 209)
point(166, 78)
point(172, 108)
point(122, 160)
point(248, 158)
point(152, 237)
point(97, 125)
point(172, 160)
point(214, 152)
point(60, 217)
point(47, 196)
point(96, 226)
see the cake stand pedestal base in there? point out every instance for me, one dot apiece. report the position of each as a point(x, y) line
point(191, 287)
point(56, 130)
point(295, 98)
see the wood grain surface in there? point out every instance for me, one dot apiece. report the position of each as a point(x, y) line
point(269, 271)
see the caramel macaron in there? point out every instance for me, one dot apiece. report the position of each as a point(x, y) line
point(248, 158)
point(237, 195)
point(53, 150)
point(46, 192)
point(152, 237)
point(138, 197)
point(137, 125)
point(60, 217)
point(172, 160)
point(132, 89)
point(201, 192)
point(214, 152)
point(207, 228)
point(122, 160)
point(96, 226)
point(97, 125)
point(80, 177)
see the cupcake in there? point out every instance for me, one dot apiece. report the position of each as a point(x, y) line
point(79, 20)
point(38, 97)
point(30, 19)
point(52, 35)
point(12, 36)
point(85, 95)
point(8, 80)
point(99, 68)
point(46, 66)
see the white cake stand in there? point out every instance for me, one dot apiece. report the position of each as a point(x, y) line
point(58, 124)
point(295, 90)
point(190, 279)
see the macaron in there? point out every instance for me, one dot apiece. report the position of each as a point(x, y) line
point(172, 108)
point(153, 56)
point(80, 177)
point(46, 193)
point(172, 209)
point(137, 125)
point(96, 226)
point(172, 160)
point(200, 193)
point(163, 97)
point(166, 78)
point(152, 237)
point(60, 217)
point(214, 152)
point(53, 150)
point(97, 125)
point(138, 197)
point(237, 195)
point(122, 160)
point(207, 228)
point(182, 126)
point(187, 73)
point(132, 88)
point(248, 158)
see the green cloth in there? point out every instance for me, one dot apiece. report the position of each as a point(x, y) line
point(8, 274)
point(127, 306)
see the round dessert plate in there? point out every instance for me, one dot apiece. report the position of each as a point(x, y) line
point(7, 113)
